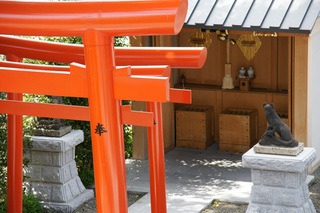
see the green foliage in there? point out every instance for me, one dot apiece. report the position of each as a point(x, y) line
point(127, 140)
point(121, 41)
point(30, 204)
point(37, 98)
point(3, 151)
point(127, 130)
point(70, 40)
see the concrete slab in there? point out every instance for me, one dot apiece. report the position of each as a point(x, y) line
point(193, 179)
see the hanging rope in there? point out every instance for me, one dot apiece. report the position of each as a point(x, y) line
point(228, 51)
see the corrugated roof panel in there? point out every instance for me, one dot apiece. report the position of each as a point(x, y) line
point(257, 13)
point(238, 13)
point(191, 7)
point(295, 14)
point(292, 16)
point(203, 10)
point(276, 14)
point(220, 12)
point(311, 16)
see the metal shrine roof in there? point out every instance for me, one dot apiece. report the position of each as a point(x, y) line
point(291, 16)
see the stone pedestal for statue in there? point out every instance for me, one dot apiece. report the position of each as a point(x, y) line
point(279, 182)
point(53, 172)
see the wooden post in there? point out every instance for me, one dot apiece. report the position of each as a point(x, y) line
point(299, 88)
point(156, 160)
point(108, 153)
point(14, 153)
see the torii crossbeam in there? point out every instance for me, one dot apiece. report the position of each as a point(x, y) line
point(99, 79)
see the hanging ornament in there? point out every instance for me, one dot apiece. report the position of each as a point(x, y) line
point(249, 45)
point(200, 39)
point(227, 82)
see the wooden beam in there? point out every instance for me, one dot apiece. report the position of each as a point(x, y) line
point(45, 110)
point(71, 112)
point(161, 71)
point(240, 32)
point(141, 88)
point(43, 82)
point(180, 96)
point(147, 85)
point(176, 57)
point(74, 84)
point(290, 83)
point(34, 66)
point(137, 118)
point(74, 18)
point(299, 88)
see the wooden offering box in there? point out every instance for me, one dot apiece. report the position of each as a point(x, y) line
point(245, 84)
point(194, 127)
point(238, 130)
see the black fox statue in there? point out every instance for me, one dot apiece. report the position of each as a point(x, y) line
point(276, 125)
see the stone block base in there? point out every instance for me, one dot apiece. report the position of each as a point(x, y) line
point(52, 132)
point(306, 207)
point(70, 206)
point(56, 192)
point(279, 182)
point(276, 150)
point(53, 172)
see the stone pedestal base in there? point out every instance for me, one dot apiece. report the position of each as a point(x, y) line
point(276, 150)
point(53, 133)
point(279, 182)
point(257, 208)
point(70, 206)
point(52, 171)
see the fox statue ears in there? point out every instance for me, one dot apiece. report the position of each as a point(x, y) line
point(270, 105)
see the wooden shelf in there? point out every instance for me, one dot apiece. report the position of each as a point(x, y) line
point(236, 89)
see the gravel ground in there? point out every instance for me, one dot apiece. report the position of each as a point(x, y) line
point(91, 206)
point(216, 206)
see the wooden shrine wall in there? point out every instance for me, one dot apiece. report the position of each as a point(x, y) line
point(270, 62)
point(272, 65)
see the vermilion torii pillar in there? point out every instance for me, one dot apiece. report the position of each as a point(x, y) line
point(14, 147)
point(102, 82)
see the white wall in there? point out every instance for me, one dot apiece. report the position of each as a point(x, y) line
point(314, 90)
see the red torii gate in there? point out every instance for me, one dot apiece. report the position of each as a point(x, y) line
point(175, 57)
point(121, 77)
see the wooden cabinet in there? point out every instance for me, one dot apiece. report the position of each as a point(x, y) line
point(194, 127)
point(237, 129)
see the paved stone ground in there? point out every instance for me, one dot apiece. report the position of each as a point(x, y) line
point(211, 170)
point(216, 206)
point(193, 179)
